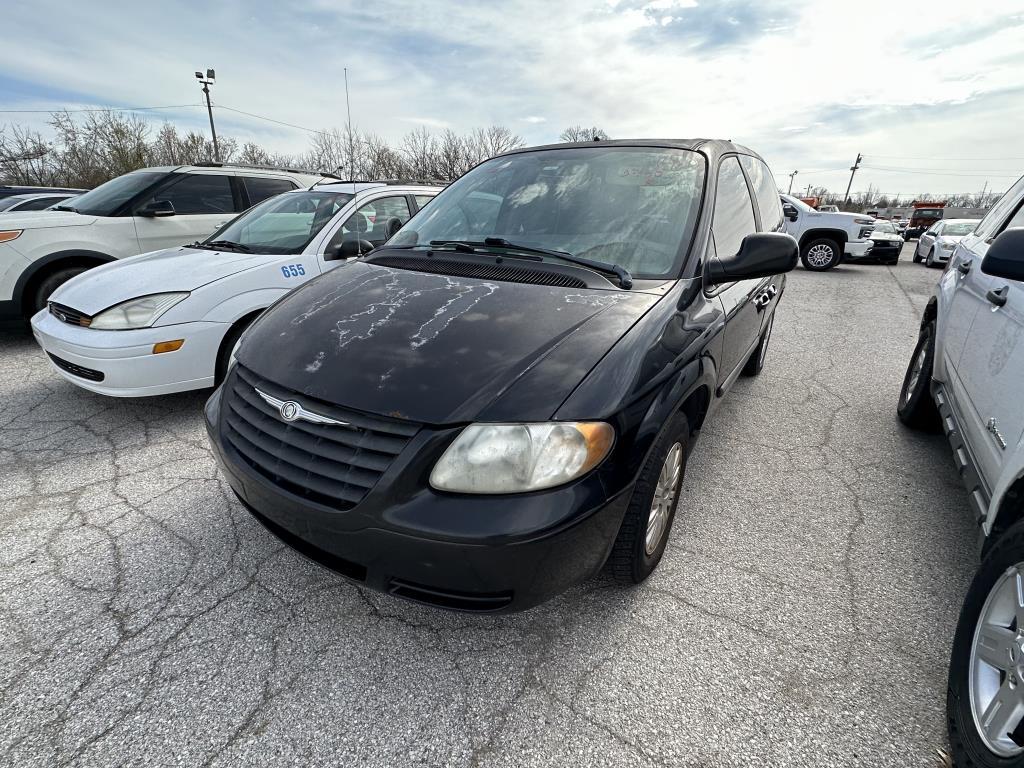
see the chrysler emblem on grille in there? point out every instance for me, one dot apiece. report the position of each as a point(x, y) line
point(290, 411)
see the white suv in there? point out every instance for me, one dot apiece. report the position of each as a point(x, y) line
point(967, 375)
point(141, 211)
point(171, 320)
point(825, 238)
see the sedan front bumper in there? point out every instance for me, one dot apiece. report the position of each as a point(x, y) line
point(122, 363)
point(858, 249)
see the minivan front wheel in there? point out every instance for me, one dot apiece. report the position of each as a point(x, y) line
point(985, 699)
point(821, 254)
point(652, 508)
point(916, 407)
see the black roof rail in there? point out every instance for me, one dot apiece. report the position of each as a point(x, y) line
point(390, 182)
point(255, 167)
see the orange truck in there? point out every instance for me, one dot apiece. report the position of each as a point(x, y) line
point(924, 214)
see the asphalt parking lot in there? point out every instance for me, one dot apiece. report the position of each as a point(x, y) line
point(802, 615)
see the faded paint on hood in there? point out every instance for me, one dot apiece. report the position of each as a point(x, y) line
point(427, 347)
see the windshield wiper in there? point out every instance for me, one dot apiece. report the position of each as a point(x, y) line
point(625, 279)
point(64, 208)
point(224, 245)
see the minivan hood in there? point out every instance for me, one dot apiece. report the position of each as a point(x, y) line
point(172, 269)
point(431, 348)
point(43, 219)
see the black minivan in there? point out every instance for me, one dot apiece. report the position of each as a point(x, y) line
point(501, 399)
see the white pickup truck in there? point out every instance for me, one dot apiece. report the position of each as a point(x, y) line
point(826, 238)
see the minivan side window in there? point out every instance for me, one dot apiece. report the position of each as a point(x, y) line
point(259, 189)
point(767, 194)
point(198, 193)
point(734, 210)
point(991, 223)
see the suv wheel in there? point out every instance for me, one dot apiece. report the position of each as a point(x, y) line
point(50, 284)
point(821, 254)
point(985, 699)
point(916, 408)
point(652, 508)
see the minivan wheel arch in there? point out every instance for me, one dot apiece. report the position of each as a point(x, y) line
point(30, 279)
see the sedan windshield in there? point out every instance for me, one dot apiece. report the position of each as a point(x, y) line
point(630, 206)
point(283, 224)
point(107, 198)
point(884, 226)
point(959, 229)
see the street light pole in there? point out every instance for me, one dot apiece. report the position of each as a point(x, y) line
point(207, 82)
point(794, 173)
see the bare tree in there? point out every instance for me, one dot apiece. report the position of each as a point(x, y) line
point(582, 133)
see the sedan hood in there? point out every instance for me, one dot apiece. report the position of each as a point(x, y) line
point(43, 219)
point(173, 269)
point(427, 347)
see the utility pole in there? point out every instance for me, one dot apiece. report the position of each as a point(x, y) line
point(853, 170)
point(794, 173)
point(207, 82)
point(808, 191)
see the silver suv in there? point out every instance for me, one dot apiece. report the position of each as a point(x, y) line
point(967, 377)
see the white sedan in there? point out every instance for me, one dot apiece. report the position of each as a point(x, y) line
point(170, 320)
point(937, 243)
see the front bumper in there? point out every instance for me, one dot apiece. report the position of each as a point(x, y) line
point(457, 551)
point(941, 256)
point(886, 248)
point(122, 363)
point(858, 249)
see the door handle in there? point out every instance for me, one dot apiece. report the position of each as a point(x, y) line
point(964, 267)
point(764, 298)
point(998, 297)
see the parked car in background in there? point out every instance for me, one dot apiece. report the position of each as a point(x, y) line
point(936, 244)
point(828, 208)
point(8, 190)
point(965, 377)
point(901, 225)
point(39, 201)
point(923, 214)
point(168, 321)
point(142, 211)
point(826, 238)
point(887, 242)
point(501, 400)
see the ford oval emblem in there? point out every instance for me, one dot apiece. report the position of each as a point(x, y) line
point(289, 410)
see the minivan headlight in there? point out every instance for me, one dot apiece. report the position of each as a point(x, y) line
point(136, 313)
point(514, 458)
point(10, 234)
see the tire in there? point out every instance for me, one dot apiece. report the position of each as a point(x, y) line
point(916, 407)
point(974, 679)
point(631, 559)
point(227, 348)
point(755, 363)
point(929, 260)
point(49, 284)
point(917, 255)
point(821, 254)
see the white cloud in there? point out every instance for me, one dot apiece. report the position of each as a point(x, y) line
point(859, 79)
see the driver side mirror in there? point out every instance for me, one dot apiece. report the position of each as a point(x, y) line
point(790, 211)
point(155, 208)
point(1005, 257)
point(348, 249)
point(761, 254)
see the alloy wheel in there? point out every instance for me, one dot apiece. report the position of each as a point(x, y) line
point(664, 497)
point(819, 255)
point(996, 669)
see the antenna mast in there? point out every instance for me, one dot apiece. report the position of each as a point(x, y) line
point(351, 148)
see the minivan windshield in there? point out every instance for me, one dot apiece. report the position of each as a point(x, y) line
point(108, 197)
point(282, 224)
point(631, 206)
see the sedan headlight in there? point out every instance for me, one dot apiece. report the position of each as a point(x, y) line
point(946, 246)
point(136, 313)
point(514, 458)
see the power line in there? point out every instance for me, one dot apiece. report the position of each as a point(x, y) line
point(965, 159)
point(271, 120)
point(911, 171)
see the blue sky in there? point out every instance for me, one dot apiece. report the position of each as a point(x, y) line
point(932, 99)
